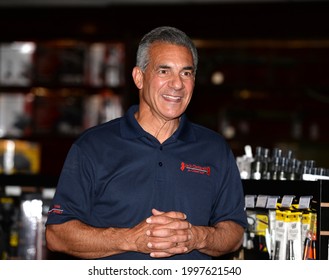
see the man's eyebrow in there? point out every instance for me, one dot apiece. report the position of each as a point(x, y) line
point(164, 66)
point(188, 68)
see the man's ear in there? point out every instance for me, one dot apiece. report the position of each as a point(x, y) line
point(138, 77)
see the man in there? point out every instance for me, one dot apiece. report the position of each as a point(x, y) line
point(150, 184)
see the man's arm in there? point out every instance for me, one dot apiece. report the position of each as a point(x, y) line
point(225, 237)
point(83, 241)
point(80, 240)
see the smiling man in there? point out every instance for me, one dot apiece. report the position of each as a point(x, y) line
point(150, 184)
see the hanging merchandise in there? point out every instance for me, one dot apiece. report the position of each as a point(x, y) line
point(271, 232)
point(290, 227)
point(294, 250)
point(259, 237)
point(280, 228)
point(309, 220)
point(255, 238)
point(261, 231)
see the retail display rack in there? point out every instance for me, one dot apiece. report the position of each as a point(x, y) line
point(317, 191)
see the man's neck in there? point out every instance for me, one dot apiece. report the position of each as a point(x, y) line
point(160, 129)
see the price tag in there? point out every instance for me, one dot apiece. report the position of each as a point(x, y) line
point(272, 201)
point(287, 201)
point(261, 201)
point(250, 201)
point(304, 202)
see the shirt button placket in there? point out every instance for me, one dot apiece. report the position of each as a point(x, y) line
point(160, 162)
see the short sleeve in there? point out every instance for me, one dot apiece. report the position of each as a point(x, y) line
point(73, 194)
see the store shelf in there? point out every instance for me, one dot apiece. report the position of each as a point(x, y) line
point(28, 180)
point(319, 190)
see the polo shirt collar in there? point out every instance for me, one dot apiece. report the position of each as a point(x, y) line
point(131, 129)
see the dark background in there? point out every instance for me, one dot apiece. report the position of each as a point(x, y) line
point(274, 57)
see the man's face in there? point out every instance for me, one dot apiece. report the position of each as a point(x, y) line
point(166, 86)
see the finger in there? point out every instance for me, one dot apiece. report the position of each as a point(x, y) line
point(160, 255)
point(156, 212)
point(173, 235)
point(175, 215)
point(170, 225)
point(171, 214)
point(168, 253)
point(161, 245)
point(165, 219)
point(169, 247)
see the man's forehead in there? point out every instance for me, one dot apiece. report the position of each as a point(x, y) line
point(166, 54)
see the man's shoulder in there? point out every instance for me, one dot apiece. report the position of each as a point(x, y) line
point(101, 130)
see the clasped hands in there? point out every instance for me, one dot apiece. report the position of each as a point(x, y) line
point(164, 234)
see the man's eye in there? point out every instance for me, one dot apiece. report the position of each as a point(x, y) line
point(187, 74)
point(163, 71)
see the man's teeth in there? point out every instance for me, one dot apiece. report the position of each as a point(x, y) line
point(172, 97)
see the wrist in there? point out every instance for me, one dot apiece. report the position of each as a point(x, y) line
point(201, 236)
point(120, 240)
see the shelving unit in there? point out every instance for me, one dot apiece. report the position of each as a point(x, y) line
point(48, 96)
point(51, 91)
point(319, 190)
point(38, 180)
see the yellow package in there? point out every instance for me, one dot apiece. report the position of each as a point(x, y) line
point(19, 156)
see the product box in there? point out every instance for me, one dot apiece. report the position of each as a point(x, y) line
point(16, 63)
point(281, 234)
point(294, 233)
point(19, 156)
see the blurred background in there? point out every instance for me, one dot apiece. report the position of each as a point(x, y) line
point(65, 66)
point(261, 78)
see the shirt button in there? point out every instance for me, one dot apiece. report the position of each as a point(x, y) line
point(160, 163)
point(161, 148)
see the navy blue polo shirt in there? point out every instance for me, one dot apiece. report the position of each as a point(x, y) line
point(115, 173)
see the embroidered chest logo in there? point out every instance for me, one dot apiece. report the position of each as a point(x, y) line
point(195, 168)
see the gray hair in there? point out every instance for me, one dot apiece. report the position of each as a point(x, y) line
point(165, 34)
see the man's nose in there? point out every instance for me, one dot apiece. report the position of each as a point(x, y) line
point(176, 81)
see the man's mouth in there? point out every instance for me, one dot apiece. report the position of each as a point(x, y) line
point(172, 98)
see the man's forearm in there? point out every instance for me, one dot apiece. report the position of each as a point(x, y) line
point(82, 241)
point(224, 238)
